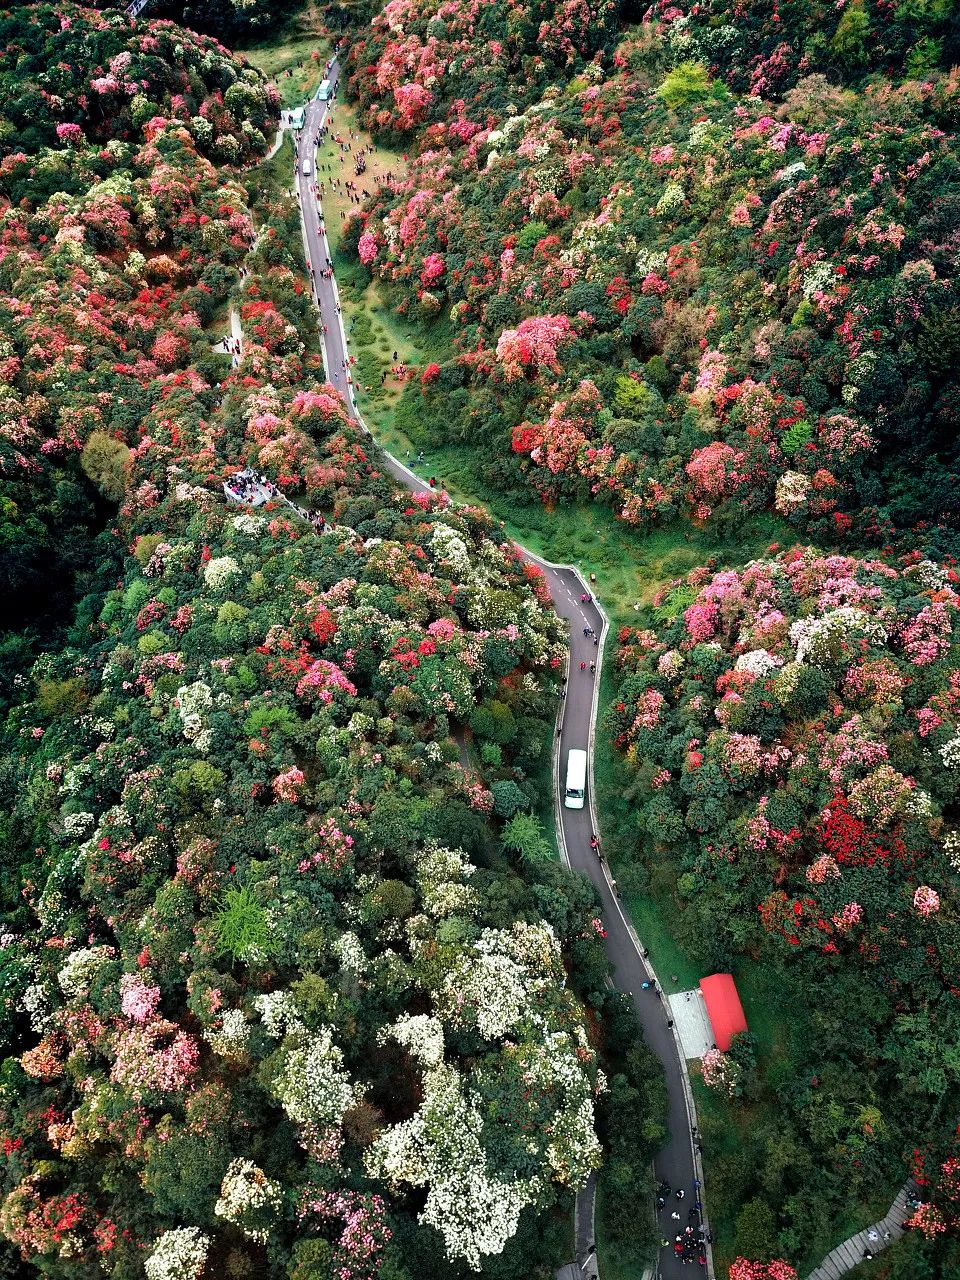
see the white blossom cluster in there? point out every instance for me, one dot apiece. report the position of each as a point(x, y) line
point(788, 173)
point(248, 524)
point(180, 1254)
point(792, 491)
point(819, 277)
point(278, 1012)
point(440, 1148)
point(218, 573)
point(193, 700)
point(495, 981)
point(36, 1002)
point(951, 847)
point(488, 989)
point(817, 638)
point(670, 664)
point(312, 1085)
point(77, 824)
point(671, 198)
point(349, 951)
point(929, 575)
point(421, 1036)
point(440, 873)
point(758, 662)
point(79, 970)
point(950, 753)
point(230, 1038)
point(248, 1199)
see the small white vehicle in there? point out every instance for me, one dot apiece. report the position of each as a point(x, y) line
point(576, 779)
point(307, 168)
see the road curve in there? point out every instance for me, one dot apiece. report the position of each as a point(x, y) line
point(678, 1163)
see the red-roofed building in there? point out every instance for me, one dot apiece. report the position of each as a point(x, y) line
point(723, 1008)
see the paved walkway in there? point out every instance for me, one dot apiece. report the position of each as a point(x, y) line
point(692, 1021)
point(873, 1239)
point(679, 1161)
point(233, 348)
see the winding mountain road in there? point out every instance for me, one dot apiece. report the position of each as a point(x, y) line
point(678, 1163)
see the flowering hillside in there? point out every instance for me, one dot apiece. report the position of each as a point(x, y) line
point(792, 733)
point(678, 301)
point(276, 1000)
point(69, 75)
point(457, 65)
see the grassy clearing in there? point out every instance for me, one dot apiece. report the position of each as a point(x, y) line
point(374, 333)
point(294, 60)
point(543, 778)
point(333, 163)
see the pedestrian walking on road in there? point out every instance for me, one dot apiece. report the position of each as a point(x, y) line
point(593, 668)
point(680, 1193)
point(676, 1217)
point(583, 666)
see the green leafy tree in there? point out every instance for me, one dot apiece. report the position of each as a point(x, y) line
point(242, 927)
point(106, 463)
point(508, 799)
point(523, 834)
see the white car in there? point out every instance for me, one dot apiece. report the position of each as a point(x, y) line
point(307, 168)
point(576, 779)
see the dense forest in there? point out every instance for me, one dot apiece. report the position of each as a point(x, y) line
point(291, 981)
point(701, 268)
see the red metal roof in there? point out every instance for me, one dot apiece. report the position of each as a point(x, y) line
point(723, 1007)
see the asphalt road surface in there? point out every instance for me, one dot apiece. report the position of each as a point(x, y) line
point(675, 1163)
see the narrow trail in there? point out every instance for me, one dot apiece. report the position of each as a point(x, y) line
point(871, 1239)
point(232, 345)
point(678, 1163)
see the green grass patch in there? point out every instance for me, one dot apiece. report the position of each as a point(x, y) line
point(294, 60)
point(542, 777)
point(343, 121)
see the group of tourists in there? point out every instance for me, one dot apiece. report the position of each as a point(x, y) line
point(248, 486)
point(256, 489)
point(690, 1244)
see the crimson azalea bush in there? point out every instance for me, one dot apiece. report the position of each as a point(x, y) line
point(790, 732)
point(457, 65)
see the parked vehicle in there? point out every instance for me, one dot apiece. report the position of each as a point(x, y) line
point(576, 779)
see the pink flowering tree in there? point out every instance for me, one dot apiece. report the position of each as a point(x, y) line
point(533, 345)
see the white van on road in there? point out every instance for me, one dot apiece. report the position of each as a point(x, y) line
point(307, 168)
point(576, 779)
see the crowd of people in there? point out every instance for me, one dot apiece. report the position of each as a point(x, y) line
point(690, 1243)
point(256, 489)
